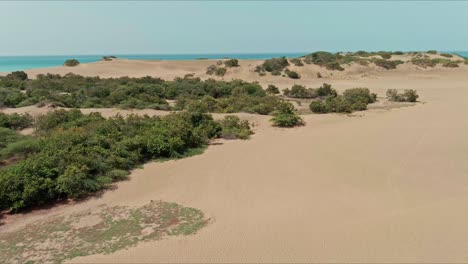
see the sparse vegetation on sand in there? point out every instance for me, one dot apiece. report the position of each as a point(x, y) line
point(387, 64)
point(406, 96)
point(216, 70)
point(71, 63)
point(286, 116)
point(292, 74)
point(297, 62)
point(355, 99)
point(272, 89)
point(72, 155)
point(231, 63)
point(276, 65)
point(102, 231)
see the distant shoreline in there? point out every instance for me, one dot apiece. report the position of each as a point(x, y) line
point(19, 63)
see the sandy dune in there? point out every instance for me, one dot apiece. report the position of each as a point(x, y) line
point(378, 186)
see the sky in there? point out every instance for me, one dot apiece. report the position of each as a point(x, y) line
point(163, 27)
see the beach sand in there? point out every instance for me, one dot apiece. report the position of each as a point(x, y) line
point(375, 186)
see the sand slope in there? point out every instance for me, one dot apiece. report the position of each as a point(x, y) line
point(379, 186)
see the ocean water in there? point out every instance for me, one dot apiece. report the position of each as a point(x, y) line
point(18, 63)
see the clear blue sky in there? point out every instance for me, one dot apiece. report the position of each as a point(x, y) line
point(45, 28)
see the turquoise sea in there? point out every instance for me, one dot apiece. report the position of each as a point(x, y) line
point(17, 63)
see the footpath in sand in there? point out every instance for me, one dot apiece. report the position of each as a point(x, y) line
point(378, 186)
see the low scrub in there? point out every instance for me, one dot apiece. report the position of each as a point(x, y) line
point(272, 89)
point(387, 64)
point(15, 121)
point(406, 96)
point(231, 63)
point(355, 99)
point(285, 115)
point(275, 64)
point(232, 127)
point(215, 70)
point(300, 91)
point(292, 74)
point(297, 62)
point(82, 154)
point(71, 63)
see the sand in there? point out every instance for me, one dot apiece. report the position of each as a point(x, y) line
point(376, 186)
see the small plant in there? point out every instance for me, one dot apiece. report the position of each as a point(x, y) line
point(231, 63)
point(432, 51)
point(406, 96)
point(292, 74)
point(388, 64)
point(447, 55)
point(234, 128)
point(297, 62)
point(285, 116)
point(385, 55)
point(271, 89)
point(17, 75)
point(71, 63)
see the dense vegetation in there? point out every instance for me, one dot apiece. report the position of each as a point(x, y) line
point(286, 115)
point(15, 121)
point(72, 155)
point(300, 91)
point(147, 92)
point(355, 99)
point(71, 63)
point(275, 66)
point(406, 96)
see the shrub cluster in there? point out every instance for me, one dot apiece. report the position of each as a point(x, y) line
point(15, 121)
point(406, 96)
point(273, 65)
point(71, 63)
point(285, 115)
point(331, 61)
point(86, 92)
point(300, 91)
point(232, 127)
point(447, 55)
point(71, 161)
point(271, 89)
point(231, 63)
point(108, 58)
point(215, 70)
point(387, 64)
point(351, 100)
point(297, 62)
point(292, 74)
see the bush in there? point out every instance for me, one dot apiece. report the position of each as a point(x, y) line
point(447, 55)
point(299, 91)
point(432, 51)
point(218, 71)
point(231, 63)
point(326, 90)
point(275, 64)
point(15, 121)
point(386, 55)
point(75, 159)
point(17, 75)
point(276, 73)
point(387, 64)
point(108, 58)
point(234, 128)
point(292, 74)
point(271, 89)
point(355, 99)
point(285, 116)
point(406, 96)
point(297, 62)
point(71, 63)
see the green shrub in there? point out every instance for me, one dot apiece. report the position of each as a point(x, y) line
point(17, 75)
point(424, 62)
point(355, 99)
point(285, 115)
point(450, 64)
point(432, 51)
point(387, 64)
point(297, 62)
point(274, 64)
point(300, 91)
point(447, 55)
point(276, 73)
point(231, 63)
point(73, 160)
point(108, 58)
point(292, 74)
point(234, 128)
point(15, 121)
point(326, 90)
point(386, 55)
point(406, 96)
point(71, 63)
point(215, 70)
point(271, 89)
